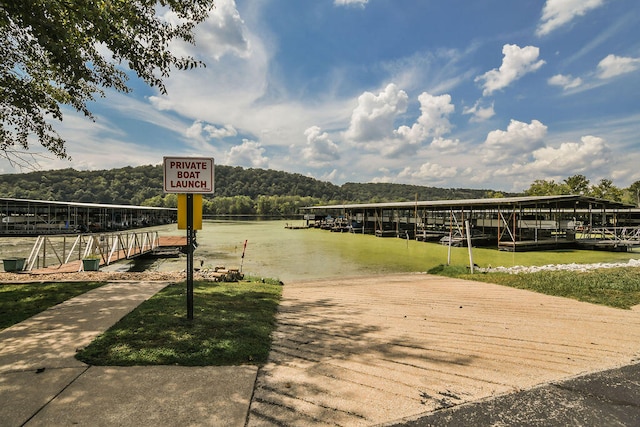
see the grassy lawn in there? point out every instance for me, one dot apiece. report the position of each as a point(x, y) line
point(232, 325)
point(614, 287)
point(21, 301)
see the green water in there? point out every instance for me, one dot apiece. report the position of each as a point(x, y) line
point(276, 252)
point(273, 251)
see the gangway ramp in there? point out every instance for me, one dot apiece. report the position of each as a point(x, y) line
point(65, 253)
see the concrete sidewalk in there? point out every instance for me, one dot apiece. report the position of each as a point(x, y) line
point(405, 350)
point(42, 384)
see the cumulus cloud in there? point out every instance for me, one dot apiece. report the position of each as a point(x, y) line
point(198, 130)
point(235, 76)
point(590, 156)
point(613, 66)
point(478, 113)
point(374, 116)
point(219, 133)
point(557, 13)
point(516, 63)
point(433, 120)
point(566, 81)
point(320, 150)
point(445, 145)
point(519, 140)
point(223, 32)
point(248, 154)
point(590, 153)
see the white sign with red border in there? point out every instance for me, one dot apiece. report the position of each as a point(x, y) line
point(188, 175)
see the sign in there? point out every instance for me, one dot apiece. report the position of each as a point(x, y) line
point(197, 212)
point(188, 175)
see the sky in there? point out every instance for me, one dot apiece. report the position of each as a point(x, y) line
point(487, 94)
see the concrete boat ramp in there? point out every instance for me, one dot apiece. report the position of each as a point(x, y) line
point(410, 350)
point(378, 350)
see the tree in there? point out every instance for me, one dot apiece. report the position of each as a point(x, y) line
point(606, 190)
point(53, 53)
point(577, 184)
point(634, 193)
point(542, 187)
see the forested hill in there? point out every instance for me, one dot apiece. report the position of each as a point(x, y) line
point(144, 185)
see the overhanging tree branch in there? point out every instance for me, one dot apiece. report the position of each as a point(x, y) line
point(50, 55)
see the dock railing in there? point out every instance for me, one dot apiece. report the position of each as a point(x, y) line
point(52, 250)
point(611, 236)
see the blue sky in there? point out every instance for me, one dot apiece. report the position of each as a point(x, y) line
point(459, 93)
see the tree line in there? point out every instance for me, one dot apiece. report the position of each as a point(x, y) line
point(240, 191)
point(580, 185)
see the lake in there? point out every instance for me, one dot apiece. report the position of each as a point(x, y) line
point(275, 252)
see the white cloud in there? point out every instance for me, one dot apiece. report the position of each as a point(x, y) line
point(223, 32)
point(433, 120)
point(519, 140)
point(320, 150)
point(429, 171)
point(86, 142)
point(219, 133)
point(234, 78)
point(195, 130)
point(160, 103)
point(374, 116)
point(592, 156)
point(359, 3)
point(570, 158)
point(613, 66)
point(566, 81)
point(330, 176)
point(381, 179)
point(478, 113)
point(206, 132)
point(556, 13)
point(248, 154)
point(516, 63)
point(443, 144)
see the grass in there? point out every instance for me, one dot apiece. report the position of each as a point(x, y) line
point(613, 287)
point(18, 302)
point(232, 325)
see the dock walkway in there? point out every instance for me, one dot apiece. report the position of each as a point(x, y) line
point(164, 243)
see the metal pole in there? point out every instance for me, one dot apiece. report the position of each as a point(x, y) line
point(190, 256)
point(450, 236)
point(471, 265)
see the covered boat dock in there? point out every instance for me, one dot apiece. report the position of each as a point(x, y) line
point(23, 217)
point(511, 223)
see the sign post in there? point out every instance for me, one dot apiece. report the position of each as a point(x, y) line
point(189, 176)
point(190, 249)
